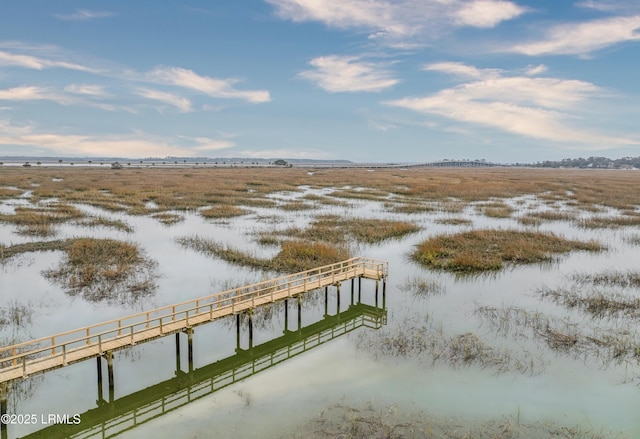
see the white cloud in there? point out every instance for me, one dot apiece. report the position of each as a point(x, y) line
point(32, 93)
point(84, 15)
point(487, 13)
point(182, 104)
point(49, 57)
point(536, 70)
point(393, 20)
point(541, 108)
point(134, 146)
point(86, 89)
point(220, 88)
point(462, 70)
point(75, 95)
point(583, 38)
point(612, 6)
point(348, 74)
point(37, 63)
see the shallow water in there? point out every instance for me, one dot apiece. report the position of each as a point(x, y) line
point(564, 389)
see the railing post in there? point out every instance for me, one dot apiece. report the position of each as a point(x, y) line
point(53, 345)
point(187, 317)
point(64, 354)
point(160, 320)
point(14, 352)
point(147, 325)
point(132, 342)
point(100, 344)
point(24, 366)
point(119, 327)
point(211, 311)
point(88, 337)
point(173, 313)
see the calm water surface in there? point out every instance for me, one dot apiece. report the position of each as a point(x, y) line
point(274, 402)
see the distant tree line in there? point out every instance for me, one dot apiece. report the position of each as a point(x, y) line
point(593, 162)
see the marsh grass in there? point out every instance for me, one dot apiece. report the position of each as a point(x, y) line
point(168, 219)
point(496, 209)
point(105, 270)
point(7, 252)
point(595, 303)
point(453, 221)
point(600, 295)
point(297, 205)
point(483, 250)
point(449, 190)
point(391, 422)
point(537, 218)
point(8, 193)
point(101, 221)
point(600, 222)
point(408, 207)
point(632, 239)
point(222, 211)
point(421, 287)
point(333, 229)
point(15, 314)
point(294, 256)
point(39, 220)
point(609, 346)
point(417, 339)
point(609, 278)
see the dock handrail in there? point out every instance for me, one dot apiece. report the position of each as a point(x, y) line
point(237, 299)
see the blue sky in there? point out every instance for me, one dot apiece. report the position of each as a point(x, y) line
point(363, 80)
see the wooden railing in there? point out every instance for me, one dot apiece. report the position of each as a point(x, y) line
point(162, 321)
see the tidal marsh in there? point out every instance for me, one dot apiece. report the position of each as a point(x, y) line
point(384, 214)
point(387, 422)
point(293, 256)
point(332, 229)
point(486, 250)
point(105, 269)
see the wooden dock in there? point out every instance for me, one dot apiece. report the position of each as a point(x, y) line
point(48, 353)
point(110, 419)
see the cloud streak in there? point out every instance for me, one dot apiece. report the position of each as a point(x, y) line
point(393, 20)
point(219, 88)
point(337, 74)
point(583, 38)
point(182, 104)
point(133, 146)
point(540, 108)
point(84, 15)
point(37, 63)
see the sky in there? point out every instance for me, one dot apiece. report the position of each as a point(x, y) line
point(363, 80)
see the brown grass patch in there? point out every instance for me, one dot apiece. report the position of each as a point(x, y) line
point(104, 269)
point(330, 228)
point(294, 256)
point(481, 250)
point(39, 220)
point(223, 211)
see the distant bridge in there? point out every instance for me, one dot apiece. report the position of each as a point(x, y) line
point(436, 164)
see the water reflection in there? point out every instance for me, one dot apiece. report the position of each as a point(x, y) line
point(113, 417)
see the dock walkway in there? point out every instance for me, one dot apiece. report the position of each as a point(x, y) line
point(48, 353)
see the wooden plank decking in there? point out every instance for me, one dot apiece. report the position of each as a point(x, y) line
point(59, 350)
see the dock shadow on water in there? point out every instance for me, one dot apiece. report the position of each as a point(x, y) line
point(105, 270)
point(112, 417)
